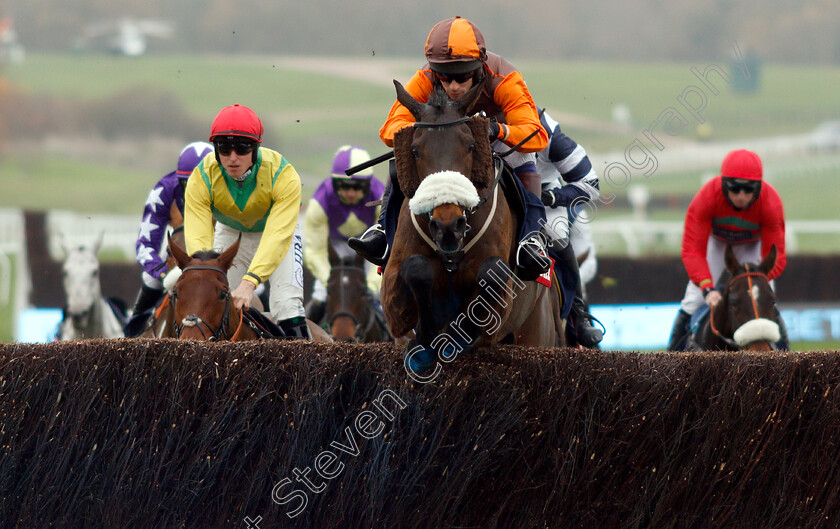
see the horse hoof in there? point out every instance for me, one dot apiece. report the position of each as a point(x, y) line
point(419, 359)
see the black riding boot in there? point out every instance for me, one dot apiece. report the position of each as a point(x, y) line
point(679, 333)
point(586, 334)
point(146, 299)
point(315, 310)
point(295, 328)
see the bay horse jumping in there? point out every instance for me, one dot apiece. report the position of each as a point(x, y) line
point(201, 300)
point(745, 318)
point(448, 277)
point(351, 314)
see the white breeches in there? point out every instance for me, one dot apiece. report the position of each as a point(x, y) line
point(286, 283)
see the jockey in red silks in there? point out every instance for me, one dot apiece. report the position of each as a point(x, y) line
point(738, 208)
point(457, 61)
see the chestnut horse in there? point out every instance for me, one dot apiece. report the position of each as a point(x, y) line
point(351, 315)
point(448, 276)
point(202, 308)
point(745, 317)
point(161, 324)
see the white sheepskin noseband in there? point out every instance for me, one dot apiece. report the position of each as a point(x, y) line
point(757, 330)
point(445, 187)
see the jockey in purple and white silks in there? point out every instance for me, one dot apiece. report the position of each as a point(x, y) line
point(568, 182)
point(164, 207)
point(338, 209)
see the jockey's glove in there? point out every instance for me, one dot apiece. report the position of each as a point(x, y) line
point(495, 129)
point(551, 198)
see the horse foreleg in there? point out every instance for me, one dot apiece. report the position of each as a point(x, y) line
point(395, 298)
point(418, 275)
point(486, 312)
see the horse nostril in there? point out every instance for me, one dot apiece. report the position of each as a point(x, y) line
point(435, 228)
point(461, 225)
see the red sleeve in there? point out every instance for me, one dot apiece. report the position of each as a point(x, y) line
point(696, 232)
point(773, 227)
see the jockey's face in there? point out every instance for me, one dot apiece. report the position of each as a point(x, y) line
point(235, 164)
point(741, 199)
point(350, 196)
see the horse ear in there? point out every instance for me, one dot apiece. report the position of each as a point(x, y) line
point(769, 260)
point(731, 261)
point(62, 243)
point(226, 259)
point(177, 252)
point(408, 101)
point(97, 243)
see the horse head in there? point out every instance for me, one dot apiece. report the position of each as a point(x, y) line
point(450, 162)
point(747, 310)
point(348, 309)
point(82, 288)
point(201, 296)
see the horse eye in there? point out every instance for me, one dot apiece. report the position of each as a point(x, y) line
point(471, 146)
point(222, 294)
point(415, 152)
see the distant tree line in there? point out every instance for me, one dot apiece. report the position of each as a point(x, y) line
point(779, 30)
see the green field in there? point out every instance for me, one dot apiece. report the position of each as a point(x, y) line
point(310, 112)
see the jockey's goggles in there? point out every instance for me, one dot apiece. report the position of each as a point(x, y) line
point(242, 148)
point(459, 78)
point(737, 186)
point(349, 184)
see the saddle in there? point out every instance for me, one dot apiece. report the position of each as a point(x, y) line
point(262, 324)
point(512, 191)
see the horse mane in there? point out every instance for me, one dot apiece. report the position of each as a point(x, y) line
point(482, 167)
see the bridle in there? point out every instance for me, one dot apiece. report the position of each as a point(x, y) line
point(748, 275)
point(451, 258)
point(194, 320)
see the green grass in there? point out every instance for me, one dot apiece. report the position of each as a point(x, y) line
point(81, 186)
point(791, 98)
